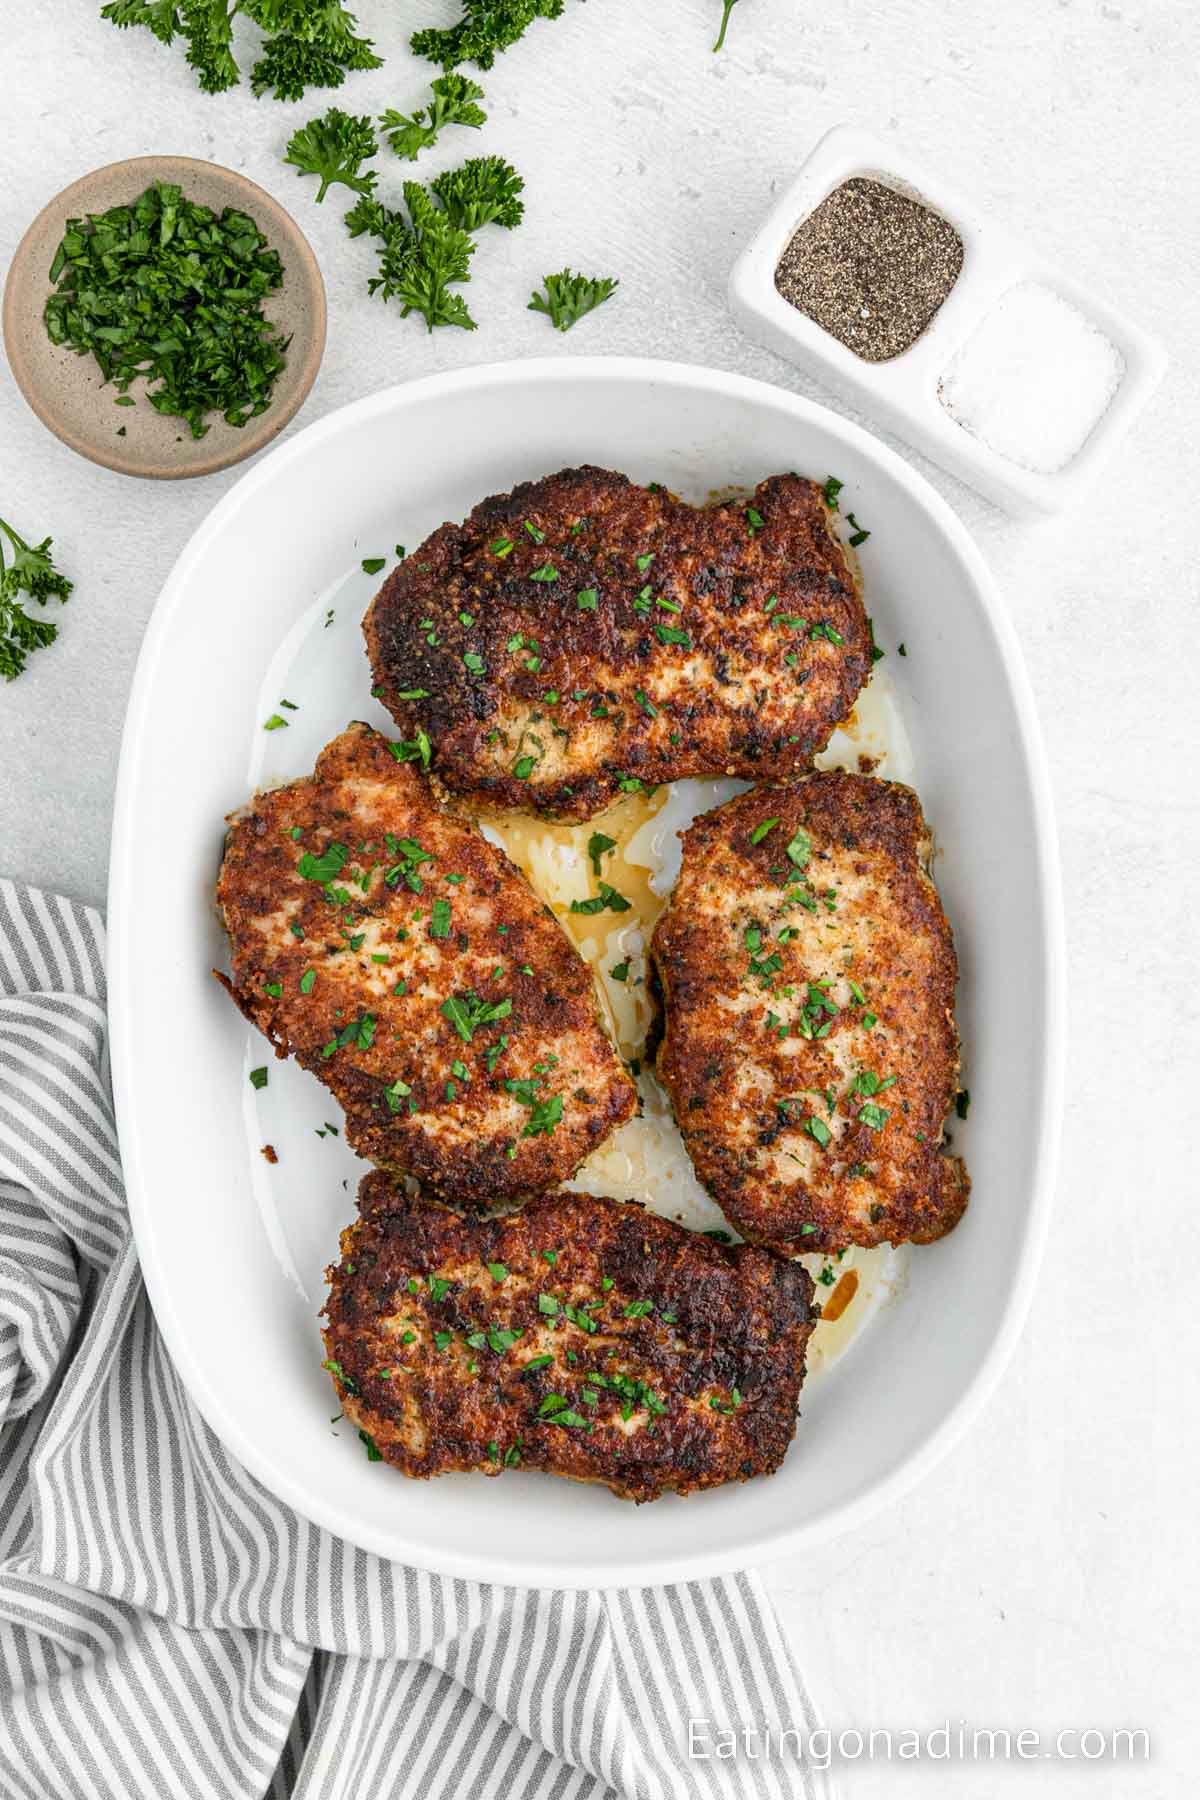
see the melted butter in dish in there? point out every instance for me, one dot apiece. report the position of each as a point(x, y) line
point(645, 1159)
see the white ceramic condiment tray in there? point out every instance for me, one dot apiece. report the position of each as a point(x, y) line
point(903, 393)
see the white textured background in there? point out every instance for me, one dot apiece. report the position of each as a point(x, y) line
point(1046, 1574)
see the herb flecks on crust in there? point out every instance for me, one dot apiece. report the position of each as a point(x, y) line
point(400, 957)
point(810, 1049)
point(582, 1337)
point(583, 636)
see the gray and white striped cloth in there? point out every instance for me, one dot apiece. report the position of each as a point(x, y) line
point(168, 1629)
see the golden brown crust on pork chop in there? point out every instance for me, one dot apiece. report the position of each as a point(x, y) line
point(810, 1049)
point(400, 957)
point(583, 631)
point(583, 1337)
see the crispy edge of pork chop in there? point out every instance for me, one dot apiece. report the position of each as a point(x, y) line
point(810, 1049)
point(582, 634)
point(583, 1337)
point(421, 979)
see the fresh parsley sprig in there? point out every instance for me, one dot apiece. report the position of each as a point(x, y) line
point(307, 44)
point(30, 572)
point(334, 147)
point(424, 255)
point(420, 258)
point(568, 297)
point(482, 192)
point(453, 102)
point(486, 28)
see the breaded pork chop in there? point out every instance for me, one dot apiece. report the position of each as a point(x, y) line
point(584, 1337)
point(810, 1048)
point(399, 956)
point(583, 633)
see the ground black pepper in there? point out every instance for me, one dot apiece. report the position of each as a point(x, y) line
point(871, 267)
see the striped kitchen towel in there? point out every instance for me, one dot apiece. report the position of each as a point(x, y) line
point(167, 1629)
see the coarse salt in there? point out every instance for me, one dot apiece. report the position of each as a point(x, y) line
point(1034, 379)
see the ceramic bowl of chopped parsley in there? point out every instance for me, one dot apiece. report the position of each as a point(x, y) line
point(164, 317)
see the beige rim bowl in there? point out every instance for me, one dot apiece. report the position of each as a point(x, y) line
point(68, 392)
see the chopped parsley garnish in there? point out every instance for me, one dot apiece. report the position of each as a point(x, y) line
point(608, 897)
point(308, 981)
point(524, 766)
point(136, 283)
point(599, 845)
point(672, 634)
point(374, 1453)
point(371, 565)
point(859, 536)
point(258, 1078)
point(275, 723)
point(869, 1083)
point(818, 1129)
point(547, 572)
point(439, 923)
point(474, 663)
point(832, 489)
point(502, 546)
point(874, 1116)
point(416, 749)
point(760, 831)
point(323, 868)
point(545, 1115)
point(620, 971)
point(586, 599)
point(799, 851)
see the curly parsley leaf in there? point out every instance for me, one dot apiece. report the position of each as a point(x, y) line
point(307, 45)
point(453, 102)
point(486, 28)
point(482, 192)
point(334, 148)
point(30, 572)
point(420, 258)
point(569, 297)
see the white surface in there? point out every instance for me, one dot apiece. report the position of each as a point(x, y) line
point(1047, 1570)
point(259, 574)
point(902, 392)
